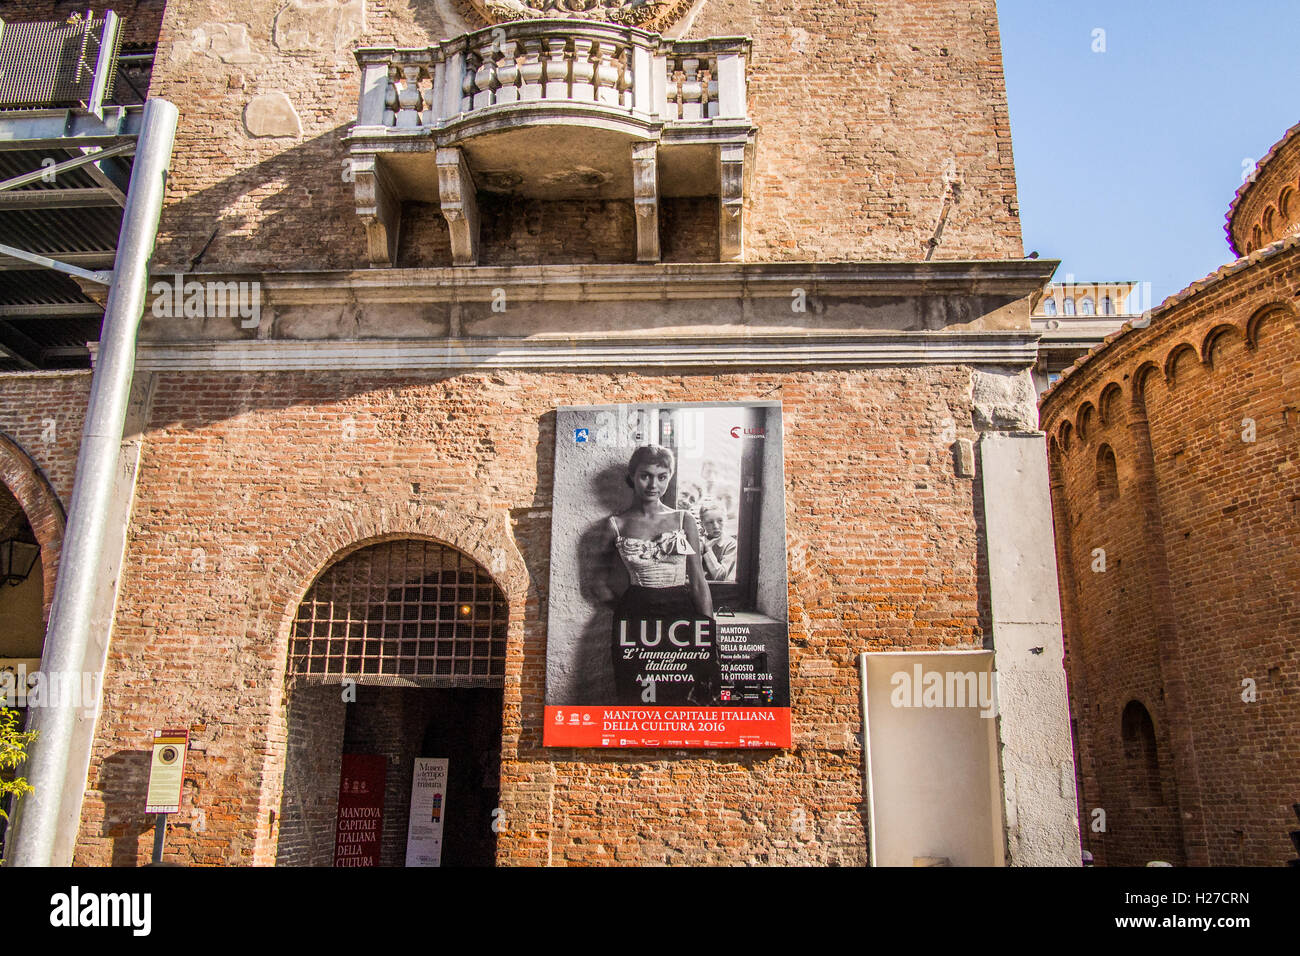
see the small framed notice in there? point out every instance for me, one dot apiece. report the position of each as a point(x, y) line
point(167, 771)
point(428, 806)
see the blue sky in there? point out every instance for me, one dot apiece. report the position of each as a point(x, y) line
point(1127, 159)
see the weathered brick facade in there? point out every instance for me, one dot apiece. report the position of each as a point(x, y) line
point(255, 476)
point(280, 490)
point(1174, 451)
point(40, 430)
point(863, 109)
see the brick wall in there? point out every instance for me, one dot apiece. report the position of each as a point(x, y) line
point(43, 413)
point(860, 107)
point(1196, 596)
point(309, 804)
point(41, 416)
point(863, 109)
point(250, 484)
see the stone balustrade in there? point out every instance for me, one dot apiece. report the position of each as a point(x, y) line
point(551, 109)
point(561, 62)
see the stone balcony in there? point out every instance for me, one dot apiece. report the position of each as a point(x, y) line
point(551, 109)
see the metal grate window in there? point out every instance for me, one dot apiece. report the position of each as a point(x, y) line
point(405, 612)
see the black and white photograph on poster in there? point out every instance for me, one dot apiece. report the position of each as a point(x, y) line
point(668, 577)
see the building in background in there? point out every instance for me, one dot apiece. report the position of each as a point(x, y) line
point(1074, 317)
point(1175, 461)
point(398, 240)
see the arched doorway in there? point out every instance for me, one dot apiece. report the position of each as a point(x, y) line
point(22, 588)
point(397, 658)
point(22, 624)
point(31, 534)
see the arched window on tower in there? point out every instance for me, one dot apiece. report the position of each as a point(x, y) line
point(1067, 307)
point(1049, 306)
point(1142, 763)
point(1107, 475)
point(1107, 306)
point(1086, 307)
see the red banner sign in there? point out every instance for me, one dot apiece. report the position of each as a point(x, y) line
point(361, 810)
point(686, 727)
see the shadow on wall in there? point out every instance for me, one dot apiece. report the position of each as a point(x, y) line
point(304, 218)
point(601, 578)
point(297, 210)
point(124, 782)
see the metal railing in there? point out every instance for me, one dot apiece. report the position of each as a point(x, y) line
point(59, 63)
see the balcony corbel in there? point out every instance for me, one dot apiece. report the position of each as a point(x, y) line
point(645, 200)
point(379, 209)
point(731, 202)
point(459, 205)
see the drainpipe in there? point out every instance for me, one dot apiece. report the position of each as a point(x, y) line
point(76, 643)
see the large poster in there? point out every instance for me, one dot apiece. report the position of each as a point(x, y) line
point(667, 619)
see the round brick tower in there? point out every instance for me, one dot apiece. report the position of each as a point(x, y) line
point(1174, 452)
point(1267, 206)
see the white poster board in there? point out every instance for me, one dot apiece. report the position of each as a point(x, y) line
point(428, 810)
point(934, 789)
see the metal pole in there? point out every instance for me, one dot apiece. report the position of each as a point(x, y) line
point(59, 758)
point(159, 836)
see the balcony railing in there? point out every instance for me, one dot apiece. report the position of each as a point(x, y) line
point(554, 62)
point(644, 114)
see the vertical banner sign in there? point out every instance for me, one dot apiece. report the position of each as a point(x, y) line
point(428, 809)
point(361, 810)
point(667, 621)
point(167, 771)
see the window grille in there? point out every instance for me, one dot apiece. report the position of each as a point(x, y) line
point(407, 613)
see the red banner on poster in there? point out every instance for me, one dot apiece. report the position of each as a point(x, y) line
point(683, 727)
point(361, 810)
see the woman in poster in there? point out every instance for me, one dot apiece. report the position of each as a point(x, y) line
point(663, 637)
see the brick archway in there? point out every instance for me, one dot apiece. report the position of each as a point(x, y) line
point(21, 475)
point(486, 539)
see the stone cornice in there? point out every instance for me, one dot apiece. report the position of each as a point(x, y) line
point(558, 283)
point(1013, 348)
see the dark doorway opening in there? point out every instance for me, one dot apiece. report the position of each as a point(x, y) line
point(459, 724)
point(398, 653)
point(465, 728)
point(400, 724)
